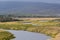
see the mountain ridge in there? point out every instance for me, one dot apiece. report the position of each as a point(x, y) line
point(29, 8)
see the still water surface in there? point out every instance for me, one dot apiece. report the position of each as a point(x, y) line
point(25, 35)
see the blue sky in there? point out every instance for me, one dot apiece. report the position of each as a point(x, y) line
point(47, 1)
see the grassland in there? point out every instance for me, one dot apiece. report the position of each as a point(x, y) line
point(4, 35)
point(47, 26)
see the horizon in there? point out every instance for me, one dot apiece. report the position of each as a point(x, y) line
point(34, 8)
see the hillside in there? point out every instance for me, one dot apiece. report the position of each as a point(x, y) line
point(29, 8)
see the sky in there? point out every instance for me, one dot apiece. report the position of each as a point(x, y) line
point(47, 1)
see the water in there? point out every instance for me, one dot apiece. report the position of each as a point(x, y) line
point(25, 35)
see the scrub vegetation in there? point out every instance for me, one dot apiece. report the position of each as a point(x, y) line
point(48, 27)
point(4, 35)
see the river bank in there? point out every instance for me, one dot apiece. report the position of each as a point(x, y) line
point(57, 37)
point(5, 35)
point(48, 27)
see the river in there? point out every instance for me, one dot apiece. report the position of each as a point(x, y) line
point(25, 35)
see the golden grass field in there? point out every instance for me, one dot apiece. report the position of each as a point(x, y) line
point(39, 18)
point(50, 28)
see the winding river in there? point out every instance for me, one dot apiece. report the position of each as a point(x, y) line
point(25, 35)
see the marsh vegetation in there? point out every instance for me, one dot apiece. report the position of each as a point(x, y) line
point(5, 35)
point(48, 27)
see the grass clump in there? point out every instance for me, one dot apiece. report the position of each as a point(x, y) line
point(4, 35)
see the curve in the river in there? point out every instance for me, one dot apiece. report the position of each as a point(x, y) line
point(25, 35)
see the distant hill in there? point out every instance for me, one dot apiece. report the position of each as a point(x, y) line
point(29, 8)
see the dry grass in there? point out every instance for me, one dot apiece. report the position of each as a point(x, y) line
point(49, 28)
point(39, 18)
point(8, 23)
